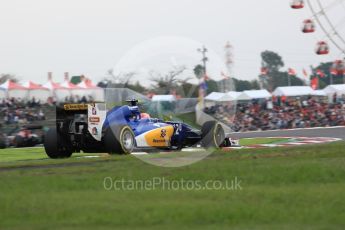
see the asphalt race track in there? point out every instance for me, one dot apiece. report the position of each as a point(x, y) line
point(336, 132)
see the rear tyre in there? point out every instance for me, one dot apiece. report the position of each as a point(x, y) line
point(55, 146)
point(213, 135)
point(119, 139)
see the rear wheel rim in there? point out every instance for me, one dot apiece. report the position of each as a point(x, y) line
point(219, 135)
point(127, 140)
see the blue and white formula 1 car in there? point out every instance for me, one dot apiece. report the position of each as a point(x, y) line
point(122, 130)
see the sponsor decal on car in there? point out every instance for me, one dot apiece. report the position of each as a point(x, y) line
point(94, 119)
point(95, 123)
point(159, 137)
point(163, 133)
point(159, 141)
point(94, 111)
point(75, 107)
point(95, 131)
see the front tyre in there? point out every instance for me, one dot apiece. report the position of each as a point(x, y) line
point(55, 146)
point(213, 135)
point(119, 139)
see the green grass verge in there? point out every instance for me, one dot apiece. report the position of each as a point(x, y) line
point(188, 118)
point(283, 188)
point(25, 155)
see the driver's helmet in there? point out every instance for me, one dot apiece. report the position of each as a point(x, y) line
point(134, 109)
point(145, 116)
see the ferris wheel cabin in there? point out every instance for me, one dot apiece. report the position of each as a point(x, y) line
point(297, 4)
point(308, 26)
point(322, 48)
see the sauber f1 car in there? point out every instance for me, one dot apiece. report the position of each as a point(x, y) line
point(92, 129)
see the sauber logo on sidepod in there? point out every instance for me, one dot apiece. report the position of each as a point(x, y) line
point(159, 137)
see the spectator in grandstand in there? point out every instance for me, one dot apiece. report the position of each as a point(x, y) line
point(292, 113)
point(335, 97)
point(14, 111)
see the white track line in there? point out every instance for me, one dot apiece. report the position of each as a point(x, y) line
point(88, 157)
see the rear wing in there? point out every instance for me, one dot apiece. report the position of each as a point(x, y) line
point(84, 116)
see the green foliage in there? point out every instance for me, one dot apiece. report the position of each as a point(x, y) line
point(212, 86)
point(241, 85)
point(272, 61)
point(276, 78)
point(199, 70)
point(188, 90)
point(281, 79)
point(255, 84)
point(188, 118)
point(326, 69)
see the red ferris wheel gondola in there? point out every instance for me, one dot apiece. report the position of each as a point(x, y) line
point(322, 48)
point(327, 15)
point(297, 4)
point(308, 26)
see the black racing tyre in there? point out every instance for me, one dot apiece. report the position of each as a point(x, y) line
point(55, 146)
point(119, 139)
point(213, 135)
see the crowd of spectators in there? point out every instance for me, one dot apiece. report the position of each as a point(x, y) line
point(225, 113)
point(273, 114)
point(78, 99)
point(71, 99)
point(282, 113)
point(15, 111)
point(18, 111)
